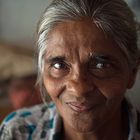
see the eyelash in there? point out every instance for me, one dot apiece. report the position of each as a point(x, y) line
point(64, 65)
point(100, 69)
point(104, 64)
point(61, 64)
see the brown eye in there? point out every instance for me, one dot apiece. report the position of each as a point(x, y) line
point(59, 69)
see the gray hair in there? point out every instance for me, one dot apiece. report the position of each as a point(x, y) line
point(114, 17)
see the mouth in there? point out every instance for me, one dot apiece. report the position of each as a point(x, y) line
point(79, 107)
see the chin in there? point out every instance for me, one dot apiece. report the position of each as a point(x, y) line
point(83, 124)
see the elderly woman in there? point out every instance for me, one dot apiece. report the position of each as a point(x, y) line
point(87, 59)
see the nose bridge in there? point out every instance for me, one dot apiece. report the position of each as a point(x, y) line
point(80, 83)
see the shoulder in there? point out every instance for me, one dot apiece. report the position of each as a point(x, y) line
point(23, 122)
point(26, 115)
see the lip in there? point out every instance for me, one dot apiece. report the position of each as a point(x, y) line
point(79, 107)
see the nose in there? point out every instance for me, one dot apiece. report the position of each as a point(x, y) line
point(80, 85)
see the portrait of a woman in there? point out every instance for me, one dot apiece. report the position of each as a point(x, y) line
point(88, 58)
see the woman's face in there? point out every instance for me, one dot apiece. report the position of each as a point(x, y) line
point(86, 75)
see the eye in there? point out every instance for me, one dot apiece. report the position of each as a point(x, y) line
point(102, 69)
point(59, 69)
point(59, 65)
point(102, 65)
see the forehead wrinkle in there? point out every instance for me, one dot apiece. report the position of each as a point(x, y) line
point(75, 38)
point(79, 36)
point(58, 48)
point(62, 42)
point(76, 41)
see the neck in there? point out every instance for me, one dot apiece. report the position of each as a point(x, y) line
point(111, 130)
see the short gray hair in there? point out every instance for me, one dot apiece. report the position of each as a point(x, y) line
point(114, 17)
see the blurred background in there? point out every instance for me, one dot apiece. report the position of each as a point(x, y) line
point(18, 21)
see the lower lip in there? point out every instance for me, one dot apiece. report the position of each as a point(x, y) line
point(78, 109)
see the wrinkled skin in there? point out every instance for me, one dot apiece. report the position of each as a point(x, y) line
point(86, 75)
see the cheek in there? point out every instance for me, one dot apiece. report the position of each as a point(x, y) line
point(53, 86)
point(113, 88)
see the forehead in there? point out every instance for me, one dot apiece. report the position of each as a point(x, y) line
point(82, 37)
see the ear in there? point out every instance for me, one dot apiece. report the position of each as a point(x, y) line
point(133, 74)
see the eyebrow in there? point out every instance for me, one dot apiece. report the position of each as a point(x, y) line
point(55, 59)
point(98, 57)
point(102, 57)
